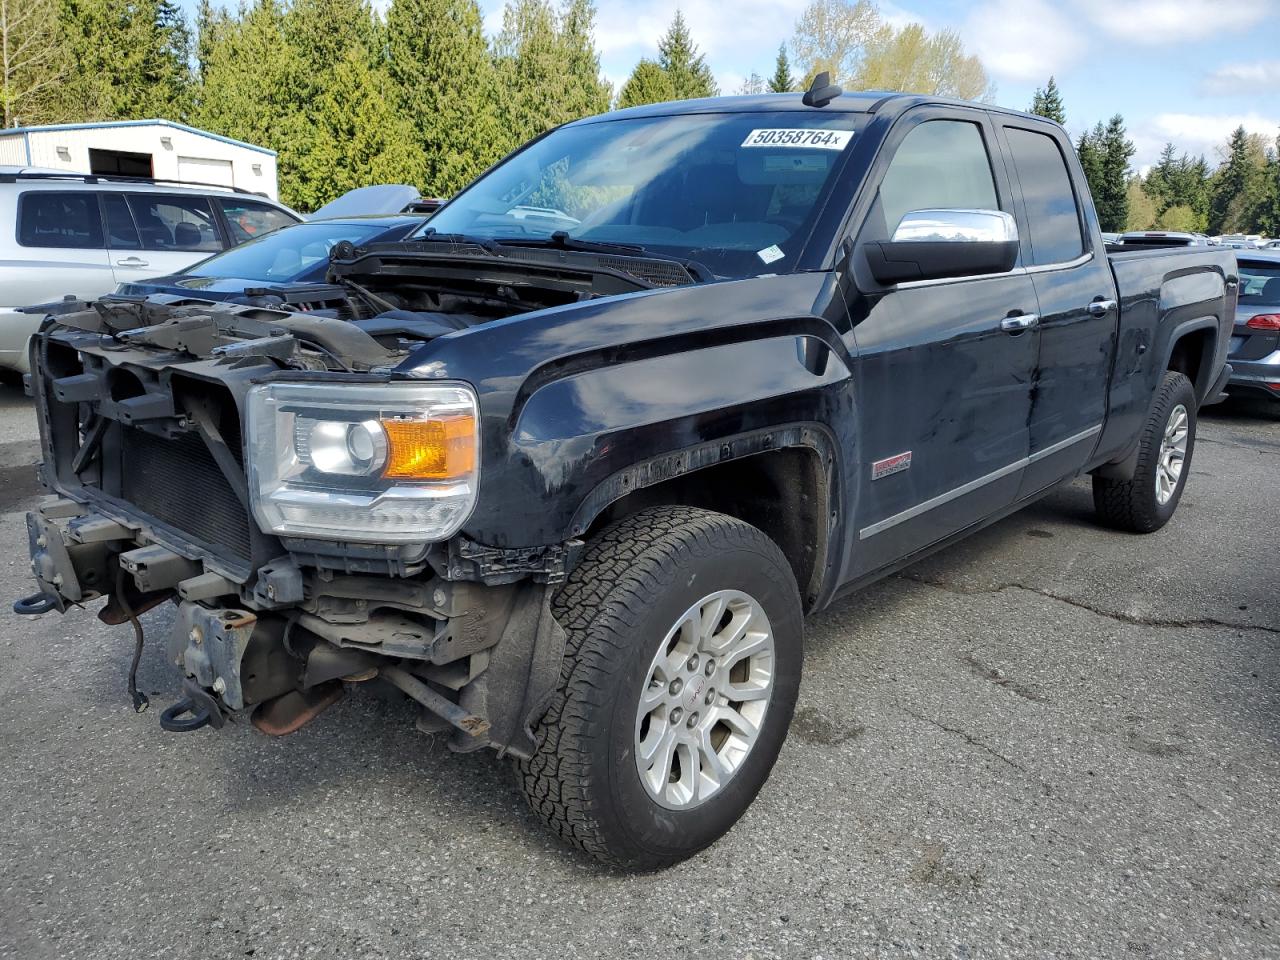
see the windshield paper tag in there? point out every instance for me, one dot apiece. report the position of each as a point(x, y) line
point(770, 254)
point(809, 139)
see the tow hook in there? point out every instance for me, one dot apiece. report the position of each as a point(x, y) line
point(195, 710)
point(35, 604)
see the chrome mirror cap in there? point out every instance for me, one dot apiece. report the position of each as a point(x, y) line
point(956, 226)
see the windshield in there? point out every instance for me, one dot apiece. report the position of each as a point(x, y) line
point(1259, 283)
point(286, 254)
point(736, 192)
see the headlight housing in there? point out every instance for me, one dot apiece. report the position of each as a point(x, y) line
point(379, 463)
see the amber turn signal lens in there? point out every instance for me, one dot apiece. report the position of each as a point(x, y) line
point(442, 449)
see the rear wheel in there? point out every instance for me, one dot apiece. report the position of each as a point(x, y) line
point(1145, 503)
point(681, 671)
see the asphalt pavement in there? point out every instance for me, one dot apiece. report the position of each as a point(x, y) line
point(1050, 740)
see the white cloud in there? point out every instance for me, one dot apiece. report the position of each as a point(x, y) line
point(1159, 22)
point(1195, 133)
point(1023, 39)
point(1246, 79)
point(750, 30)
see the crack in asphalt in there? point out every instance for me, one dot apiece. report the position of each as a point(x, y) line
point(973, 741)
point(1257, 446)
point(1129, 618)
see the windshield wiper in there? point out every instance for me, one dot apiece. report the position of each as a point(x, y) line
point(562, 241)
point(431, 235)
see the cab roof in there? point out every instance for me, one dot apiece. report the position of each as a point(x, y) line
point(860, 101)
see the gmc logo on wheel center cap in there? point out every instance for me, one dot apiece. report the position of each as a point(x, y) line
point(696, 688)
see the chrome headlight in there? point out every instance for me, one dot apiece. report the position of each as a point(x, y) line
point(383, 463)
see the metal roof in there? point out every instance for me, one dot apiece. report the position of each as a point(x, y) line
point(112, 124)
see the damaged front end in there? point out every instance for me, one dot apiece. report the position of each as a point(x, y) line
point(299, 500)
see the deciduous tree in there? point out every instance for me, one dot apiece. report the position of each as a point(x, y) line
point(831, 36)
point(914, 61)
point(32, 63)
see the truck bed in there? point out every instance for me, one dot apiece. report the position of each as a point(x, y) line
point(1164, 294)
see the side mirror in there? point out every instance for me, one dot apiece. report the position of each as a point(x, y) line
point(936, 244)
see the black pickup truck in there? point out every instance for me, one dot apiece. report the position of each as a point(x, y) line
point(568, 467)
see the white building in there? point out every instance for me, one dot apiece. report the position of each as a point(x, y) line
point(143, 148)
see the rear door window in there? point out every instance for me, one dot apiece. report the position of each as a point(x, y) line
point(248, 219)
point(122, 233)
point(1053, 216)
point(1259, 283)
point(939, 165)
point(49, 218)
point(175, 224)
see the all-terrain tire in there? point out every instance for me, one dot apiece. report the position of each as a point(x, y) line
point(1133, 505)
point(633, 584)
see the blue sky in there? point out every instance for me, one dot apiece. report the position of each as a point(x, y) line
point(1189, 71)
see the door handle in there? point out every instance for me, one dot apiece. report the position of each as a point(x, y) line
point(1100, 308)
point(1016, 324)
point(131, 262)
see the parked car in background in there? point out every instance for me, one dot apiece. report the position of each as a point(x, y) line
point(80, 235)
point(284, 267)
point(1255, 339)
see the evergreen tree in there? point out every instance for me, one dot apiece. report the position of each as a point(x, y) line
point(358, 135)
point(247, 71)
point(586, 92)
point(687, 68)
point(1112, 194)
point(1269, 209)
point(782, 81)
point(1047, 102)
point(1179, 181)
point(445, 83)
point(1236, 192)
point(548, 67)
point(124, 61)
point(1089, 150)
point(648, 83)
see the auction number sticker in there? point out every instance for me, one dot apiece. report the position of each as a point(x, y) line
point(809, 139)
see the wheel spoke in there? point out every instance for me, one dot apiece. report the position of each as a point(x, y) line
point(738, 723)
point(754, 644)
point(653, 695)
point(709, 620)
point(731, 636)
point(744, 692)
point(657, 761)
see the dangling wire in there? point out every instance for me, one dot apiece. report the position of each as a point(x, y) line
point(140, 701)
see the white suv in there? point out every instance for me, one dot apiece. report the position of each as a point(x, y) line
point(80, 235)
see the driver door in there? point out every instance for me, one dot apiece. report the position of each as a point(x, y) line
point(945, 367)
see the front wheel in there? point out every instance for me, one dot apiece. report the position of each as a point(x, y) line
point(1145, 503)
point(681, 671)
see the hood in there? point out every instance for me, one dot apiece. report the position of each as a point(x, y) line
point(380, 198)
